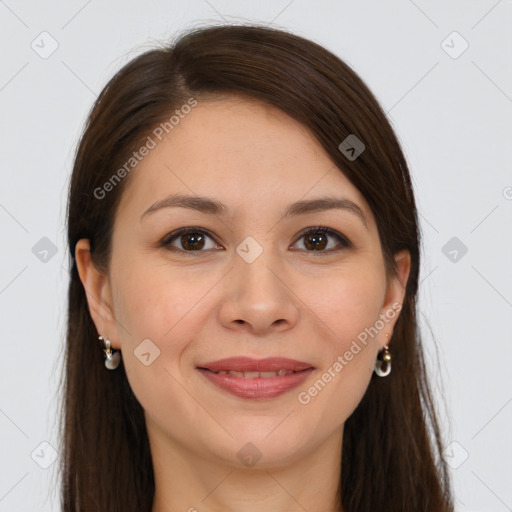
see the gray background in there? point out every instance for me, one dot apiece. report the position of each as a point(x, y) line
point(452, 113)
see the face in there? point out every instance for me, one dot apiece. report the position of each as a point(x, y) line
point(244, 281)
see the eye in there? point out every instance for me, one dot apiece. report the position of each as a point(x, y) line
point(190, 239)
point(194, 239)
point(316, 239)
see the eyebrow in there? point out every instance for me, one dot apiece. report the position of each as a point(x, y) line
point(213, 207)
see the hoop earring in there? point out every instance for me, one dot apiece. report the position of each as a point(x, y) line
point(383, 362)
point(112, 360)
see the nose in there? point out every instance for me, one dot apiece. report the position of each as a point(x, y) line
point(259, 297)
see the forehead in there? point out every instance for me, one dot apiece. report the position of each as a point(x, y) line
point(242, 152)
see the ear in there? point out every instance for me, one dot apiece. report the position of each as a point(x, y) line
point(97, 290)
point(395, 292)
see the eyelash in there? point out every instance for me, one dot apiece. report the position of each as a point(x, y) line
point(345, 242)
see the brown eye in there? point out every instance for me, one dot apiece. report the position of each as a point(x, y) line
point(192, 241)
point(189, 240)
point(316, 241)
point(318, 238)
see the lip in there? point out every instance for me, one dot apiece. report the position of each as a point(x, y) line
point(248, 364)
point(257, 387)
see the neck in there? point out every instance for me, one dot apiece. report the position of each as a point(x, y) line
point(185, 480)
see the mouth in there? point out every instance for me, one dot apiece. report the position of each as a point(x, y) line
point(256, 378)
point(249, 365)
point(253, 375)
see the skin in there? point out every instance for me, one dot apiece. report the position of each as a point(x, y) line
point(292, 301)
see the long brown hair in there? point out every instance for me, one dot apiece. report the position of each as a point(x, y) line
point(391, 457)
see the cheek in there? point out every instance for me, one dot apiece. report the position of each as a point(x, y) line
point(349, 309)
point(348, 303)
point(160, 309)
point(168, 307)
point(152, 301)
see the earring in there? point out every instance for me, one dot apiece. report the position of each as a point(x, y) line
point(112, 360)
point(383, 362)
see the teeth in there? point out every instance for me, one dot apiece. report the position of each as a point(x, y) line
point(255, 375)
point(268, 374)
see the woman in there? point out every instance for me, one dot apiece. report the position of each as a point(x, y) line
point(245, 259)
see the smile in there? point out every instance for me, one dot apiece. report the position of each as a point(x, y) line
point(256, 379)
point(255, 375)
